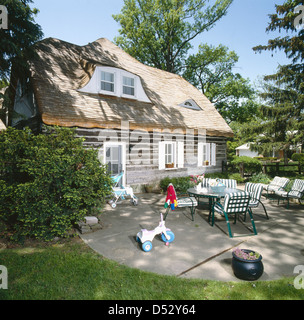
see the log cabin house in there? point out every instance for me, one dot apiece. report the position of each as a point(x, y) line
point(145, 121)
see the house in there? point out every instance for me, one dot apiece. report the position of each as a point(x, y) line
point(244, 150)
point(145, 121)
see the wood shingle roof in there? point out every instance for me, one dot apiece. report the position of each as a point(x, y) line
point(62, 68)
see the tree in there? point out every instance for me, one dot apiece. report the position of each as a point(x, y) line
point(284, 19)
point(48, 182)
point(16, 44)
point(211, 71)
point(277, 132)
point(284, 90)
point(159, 32)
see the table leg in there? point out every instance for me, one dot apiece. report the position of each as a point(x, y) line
point(211, 202)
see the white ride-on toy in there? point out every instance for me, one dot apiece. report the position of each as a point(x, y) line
point(145, 237)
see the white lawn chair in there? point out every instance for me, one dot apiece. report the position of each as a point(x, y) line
point(229, 183)
point(277, 184)
point(234, 203)
point(296, 192)
point(255, 190)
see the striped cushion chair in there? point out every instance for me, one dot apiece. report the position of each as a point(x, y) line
point(183, 202)
point(234, 203)
point(189, 202)
point(296, 192)
point(277, 184)
point(255, 190)
point(229, 183)
point(205, 183)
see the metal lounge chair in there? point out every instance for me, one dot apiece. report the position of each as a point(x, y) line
point(229, 183)
point(234, 203)
point(296, 192)
point(255, 190)
point(205, 183)
point(277, 184)
point(180, 202)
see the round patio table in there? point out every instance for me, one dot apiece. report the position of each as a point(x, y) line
point(213, 196)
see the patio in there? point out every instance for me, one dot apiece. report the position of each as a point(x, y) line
point(199, 250)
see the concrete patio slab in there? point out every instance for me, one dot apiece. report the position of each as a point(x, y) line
point(200, 250)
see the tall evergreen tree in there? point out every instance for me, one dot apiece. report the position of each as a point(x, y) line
point(16, 45)
point(284, 91)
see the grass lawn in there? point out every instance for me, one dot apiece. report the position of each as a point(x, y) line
point(71, 270)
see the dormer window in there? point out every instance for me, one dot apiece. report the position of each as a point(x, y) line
point(107, 81)
point(190, 104)
point(128, 86)
point(116, 82)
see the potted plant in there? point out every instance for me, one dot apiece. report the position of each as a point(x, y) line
point(170, 165)
point(247, 264)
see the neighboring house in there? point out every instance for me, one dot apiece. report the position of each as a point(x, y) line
point(244, 150)
point(145, 121)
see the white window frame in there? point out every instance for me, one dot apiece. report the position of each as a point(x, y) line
point(170, 155)
point(111, 71)
point(213, 154)
point(206, 153)
point(123, 156)
point(107, 82)
point(177, 154)
point(127, 86)
point(94, 85)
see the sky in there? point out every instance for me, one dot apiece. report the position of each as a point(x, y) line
point(244, 26)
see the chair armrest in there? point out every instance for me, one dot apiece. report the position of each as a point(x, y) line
point(219, 204)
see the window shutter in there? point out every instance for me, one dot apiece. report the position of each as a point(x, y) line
point(200, 151)
point(213, 154)
point(180, 154)
point(208, 153)
point(161, 155)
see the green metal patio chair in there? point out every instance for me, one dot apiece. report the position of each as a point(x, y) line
point(255, 191)
point(183, 201)
point(277, 184)
point(205, 183)
point(234, 203)
point(296, 192)
point(229, 183)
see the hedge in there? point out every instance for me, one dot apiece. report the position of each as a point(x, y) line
point(48, 182)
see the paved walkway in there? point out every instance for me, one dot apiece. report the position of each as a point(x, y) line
point(199, 250)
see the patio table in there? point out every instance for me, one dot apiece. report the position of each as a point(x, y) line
point(213, 196)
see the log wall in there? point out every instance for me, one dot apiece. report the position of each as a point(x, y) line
point(142, 150)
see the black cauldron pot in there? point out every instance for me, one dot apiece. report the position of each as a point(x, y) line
point(249, 270)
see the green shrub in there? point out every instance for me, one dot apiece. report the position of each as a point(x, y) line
point(225, 175)
point(181, 184)
point(220, 175)
point(48, 182)
point(260, 178)
point(237, 177)
point(298, 157)
point(251, 165)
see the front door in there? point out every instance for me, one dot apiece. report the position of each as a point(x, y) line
point(114, 158)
